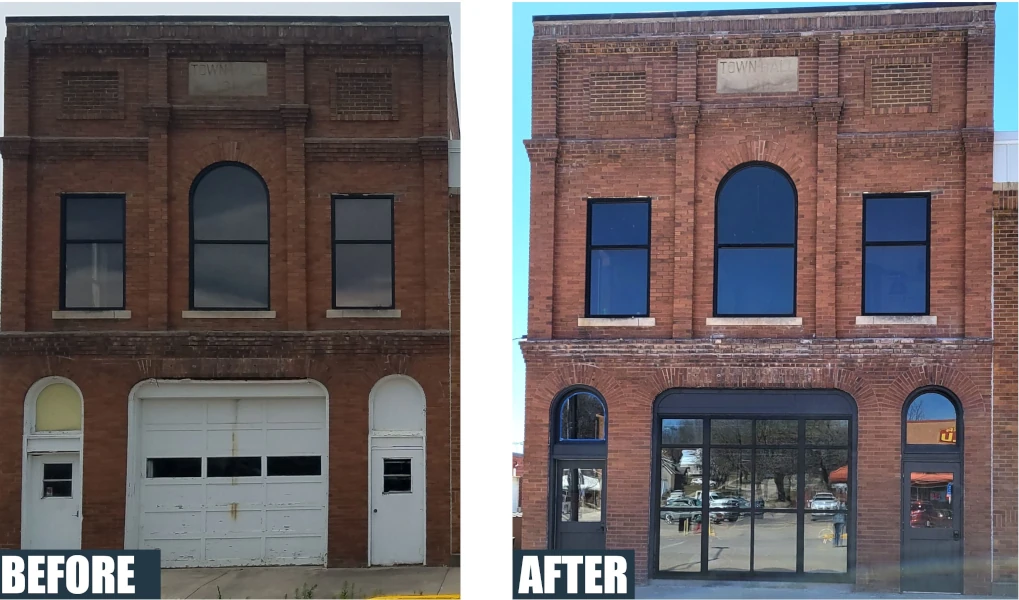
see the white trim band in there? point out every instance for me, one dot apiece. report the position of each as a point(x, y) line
point(897, 320)
point(228, 314)
point(754, 321)
point(366, 313)
point(626, 322)
point(73, 315)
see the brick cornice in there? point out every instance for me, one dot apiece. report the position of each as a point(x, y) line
point(225, 117)
point(12, 147)
point(978, 139)
point(358, 150)
point(73, 148)
point(827, 109)
point(106, 48)
point(247, 344)
point(294, 115)
point(542, 150)
point(738, 108)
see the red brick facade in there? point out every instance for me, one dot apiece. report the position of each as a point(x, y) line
point(365, 107)
point(886, 102)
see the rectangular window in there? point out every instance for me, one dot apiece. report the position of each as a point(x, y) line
point(56, 480)
point(618, 257)
point(293, 466)
point(234, 466)
point(396, 476)
point(164, 468)
point(896, 254)
point(363, 263)
point(92, 252)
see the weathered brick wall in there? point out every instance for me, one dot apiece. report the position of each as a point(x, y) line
point(1006, 384)
point(454, 366)
point(841, 134)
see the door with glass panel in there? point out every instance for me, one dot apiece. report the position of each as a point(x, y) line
point(932, 527)
point(580, 507)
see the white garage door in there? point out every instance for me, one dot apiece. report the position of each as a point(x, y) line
point(231, 481)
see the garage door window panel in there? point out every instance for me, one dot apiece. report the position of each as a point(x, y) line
point(167, 468)
point(363, 259)
point(618, 258)
point(92, 252)
point(244, 466)
point(896, 255)
point(293, 466)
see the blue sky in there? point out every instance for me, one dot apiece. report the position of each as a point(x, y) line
point(1005, 119)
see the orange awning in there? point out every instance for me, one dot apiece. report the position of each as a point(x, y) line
point(931, 478)
point(839, 475)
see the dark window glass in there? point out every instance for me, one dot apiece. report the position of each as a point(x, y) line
point(820, 554)
point(755, 239)
point(680, 467)
point(57, 480)
point(827, 432)
point(57, 471)
point(756, 281)
point(581, 500)
point(778, 432)
point(895, 250)
point(733, 432)
point(56, 489)
point(231, 276)
point(680, 432)
point(582, 417)
point(293, 466)
point(234, 466)
point(618, 258)
point(731, 477)
point(363, 260)
point(230, 239)
point(930, 497)
point(775, 477)
point(679, 544)
point(730, 546)
point(93, 252)
point(931, 421)
point(775, 543)
point(826, 481)
point(159, 468)
point(396, 476)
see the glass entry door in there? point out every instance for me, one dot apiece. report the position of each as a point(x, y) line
point(932, 528)
point(580, 508)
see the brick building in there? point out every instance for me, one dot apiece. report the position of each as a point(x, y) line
point(761, 245)
point(230, 289)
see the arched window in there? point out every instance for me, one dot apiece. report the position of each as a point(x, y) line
point(755, 243)
point(229, 239)
point(581, 417)
point(931, 419)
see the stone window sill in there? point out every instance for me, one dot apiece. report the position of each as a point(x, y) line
point(370, 313)
point(628, 322)
point(228, 314)
point(74, 315)
point(754, 321)
point(897, 320)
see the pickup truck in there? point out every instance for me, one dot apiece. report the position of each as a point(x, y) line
point(824, 504)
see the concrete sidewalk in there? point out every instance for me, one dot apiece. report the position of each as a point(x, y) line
point(277, 582)
point(726, 590)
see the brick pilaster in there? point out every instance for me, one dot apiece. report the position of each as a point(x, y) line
point(827, 111)
point(157, 118)
point(295, 118)
point(16, 150)
point(543, 155)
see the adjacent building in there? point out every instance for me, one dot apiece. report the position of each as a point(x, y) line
point(772, 304)
point(230, 289)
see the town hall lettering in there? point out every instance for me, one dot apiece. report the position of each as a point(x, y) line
point(766, 75)
point(227, 79)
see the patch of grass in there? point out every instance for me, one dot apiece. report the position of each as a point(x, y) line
point(305, 592)
point(347, 591)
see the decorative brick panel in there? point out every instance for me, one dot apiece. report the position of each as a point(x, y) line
point(92, 95)
point(619, 95)
point(364, 94)
point(901, 84)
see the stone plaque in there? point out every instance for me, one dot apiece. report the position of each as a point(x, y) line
point(758, 75)
point(228, 79)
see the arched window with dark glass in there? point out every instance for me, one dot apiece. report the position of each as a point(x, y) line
point(755, 243)
point(931, 420)
point(229, 239)
point(582, 417)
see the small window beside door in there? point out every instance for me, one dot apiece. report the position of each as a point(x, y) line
point(57, 480)
point(363, 265)
point(92, 252)
point(618, 257)
point(396, 477)
point(896, 255)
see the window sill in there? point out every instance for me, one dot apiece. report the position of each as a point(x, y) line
point(628, 322)
point(74, 315)
point(228, 314)
point(363, 313)
point(897, 320)
point(754, 321)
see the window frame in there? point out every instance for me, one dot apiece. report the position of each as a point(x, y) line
point(562, 403)
point(795, 243)
point(391, 242)
point(192, 242)
point(589, 247)
point(926, 450)
point(863, 255)
point(64, 197)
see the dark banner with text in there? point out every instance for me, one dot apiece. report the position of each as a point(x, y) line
point(568, 574)
point(79, 574)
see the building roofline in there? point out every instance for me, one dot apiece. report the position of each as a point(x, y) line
point(763, 11)
point(209, 20)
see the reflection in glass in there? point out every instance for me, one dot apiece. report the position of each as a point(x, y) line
point(729, 547)
point(931, 420)
point(730, 477)
point(679, 467)
point(827, 432)
point(930, 496)
point(731, 432)
point(826, 480)
point(582, 417)
point(679, 547)
point(820, 554)
point(775, 542)
point(775, 478)
point(682, 432)
point(775, 432)
point(581, 495)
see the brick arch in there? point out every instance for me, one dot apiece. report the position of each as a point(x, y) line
point(230, 151)
point(846, 380)
point(779, 154)
point(579, 374)
point(973, 402)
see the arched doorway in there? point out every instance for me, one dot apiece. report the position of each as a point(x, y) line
point(932, 492)
point(577, 484)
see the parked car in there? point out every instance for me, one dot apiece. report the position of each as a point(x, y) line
point(745, 504)
point(676, 494)
point(824, 504)
point(700, 481)
point(923, 514)
point(677, 509)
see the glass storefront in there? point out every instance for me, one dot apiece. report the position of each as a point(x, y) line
point(747, 496)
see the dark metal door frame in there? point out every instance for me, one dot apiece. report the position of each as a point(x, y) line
point(934, 464)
